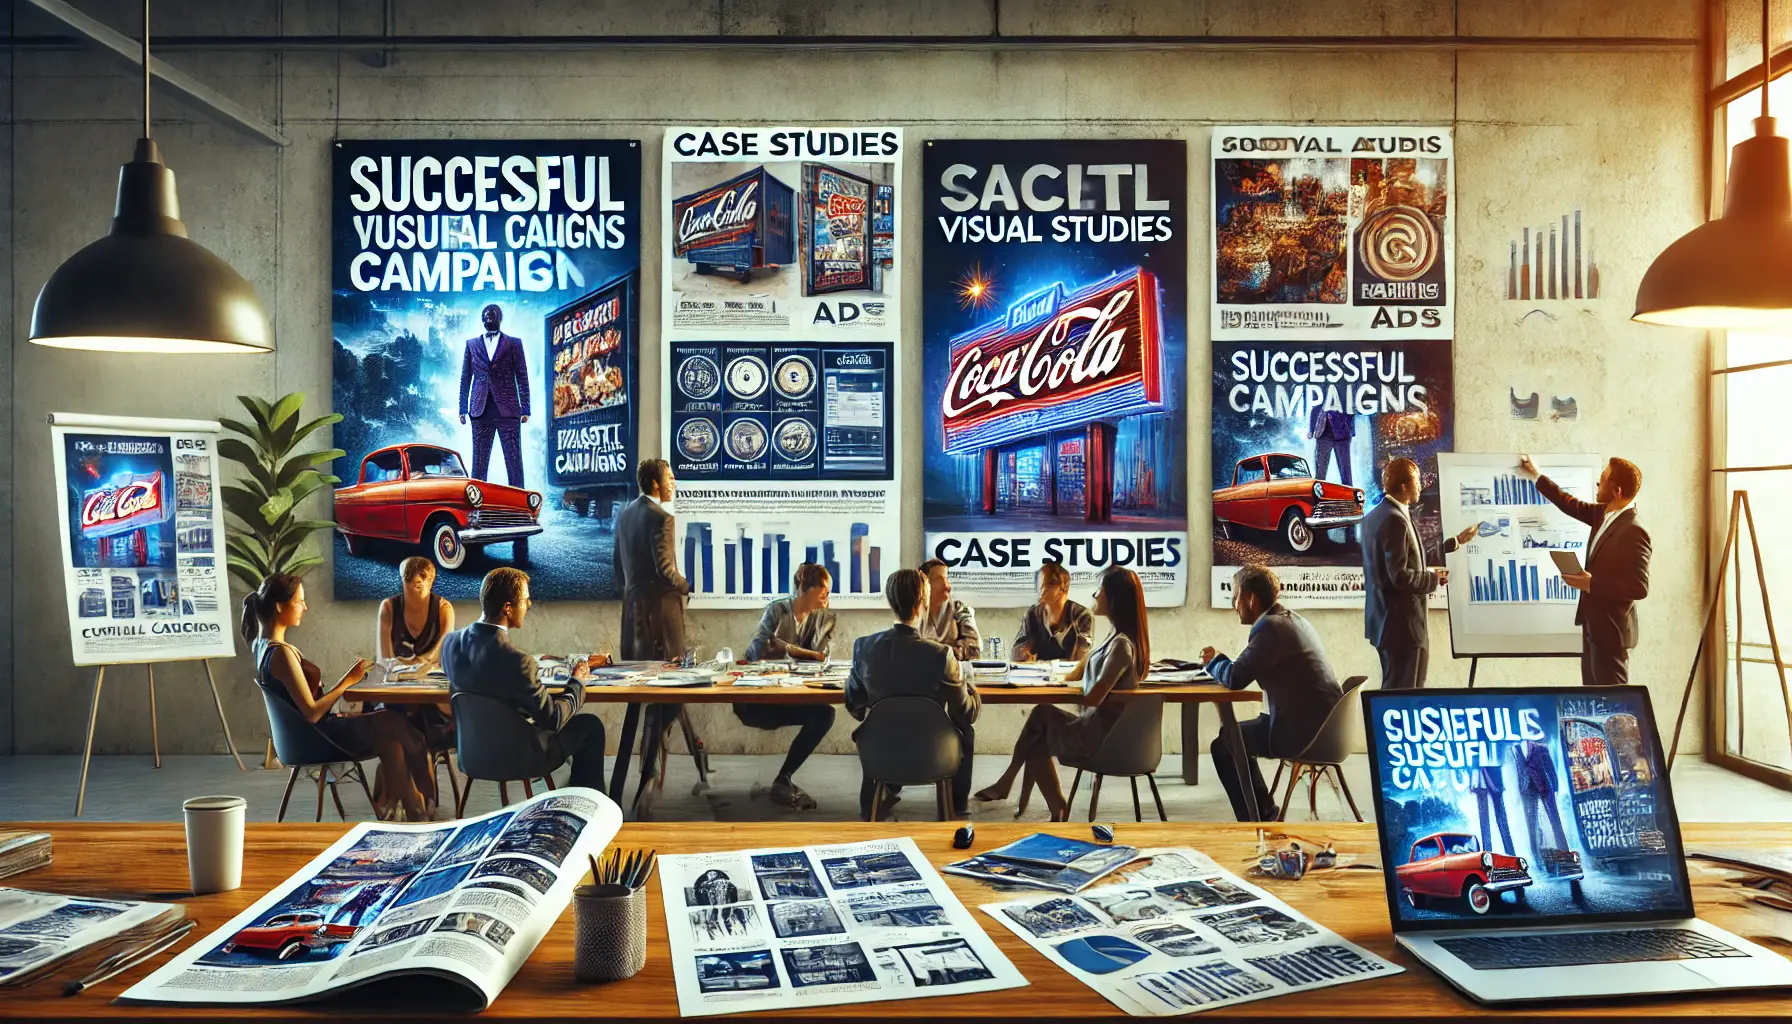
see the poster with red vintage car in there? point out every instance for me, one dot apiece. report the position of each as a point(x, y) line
point(486, 312)
point(1300, 433)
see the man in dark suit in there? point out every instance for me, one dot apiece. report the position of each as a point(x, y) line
point(897, 661)
point(1489, 786)
point(1536, 771)
point(1330, 430)
point(653, 599)
point(1616, 568)
point(1395, 580)
point(481, 659)
point(1285, 658)
point(494, 391)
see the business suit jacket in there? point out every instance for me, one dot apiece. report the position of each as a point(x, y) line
point(1536, 768)
point(898, 662)
point(1284, 657)
point(1395, 580)
point(1618, 561)
point(1339, 426)
point(956, 627)
point(653, 590)
point(481, 659)
point(499, 383)
point(778, 630)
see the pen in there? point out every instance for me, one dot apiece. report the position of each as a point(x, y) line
point(127, 959)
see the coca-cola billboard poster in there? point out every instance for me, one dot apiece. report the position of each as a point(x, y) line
point(1300, 433)
point(1055, 323)
point(486, 315)
point(143, 539)
point(779, 326)
point(1323, 233)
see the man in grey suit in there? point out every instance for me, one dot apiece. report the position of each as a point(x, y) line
point(897, 661)
point(1283, 655)
point(481, 659)
point(653, 599)
point(1395, 580)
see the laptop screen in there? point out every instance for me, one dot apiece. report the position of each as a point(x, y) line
point(1514, 808)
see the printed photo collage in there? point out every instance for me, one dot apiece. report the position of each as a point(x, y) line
point(821, 925)
point(1176, 933)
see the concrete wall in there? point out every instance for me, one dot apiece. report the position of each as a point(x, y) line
point(1611, 131)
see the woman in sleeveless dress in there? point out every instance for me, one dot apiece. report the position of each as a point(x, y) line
point(282, 672)
point(412, 625)
point(1051, 732)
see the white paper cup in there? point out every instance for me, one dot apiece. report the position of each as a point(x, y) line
point(215, 842)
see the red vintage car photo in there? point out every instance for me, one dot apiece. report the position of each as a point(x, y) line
point(1452, 866)
point(420, 494)
point(1276, 492)
point(285, 936)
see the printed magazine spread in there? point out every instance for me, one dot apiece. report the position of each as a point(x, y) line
point(820, 926)
point(465, 901)
point(1176, 933)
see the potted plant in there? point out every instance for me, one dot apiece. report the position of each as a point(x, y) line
point(269, 534)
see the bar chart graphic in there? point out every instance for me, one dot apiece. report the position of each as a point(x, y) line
point(756, 564)
point(1512, 489)
point(1510, 581)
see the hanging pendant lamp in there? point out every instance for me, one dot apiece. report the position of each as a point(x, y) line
point(147, 287)
point(1734, 272)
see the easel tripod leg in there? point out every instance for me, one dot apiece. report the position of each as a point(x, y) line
point(1717, 594)
point(155, 733)
point(93, 714)
point(1473, 664)
point(218, 702)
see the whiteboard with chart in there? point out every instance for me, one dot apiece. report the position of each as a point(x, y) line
point(1505, 595)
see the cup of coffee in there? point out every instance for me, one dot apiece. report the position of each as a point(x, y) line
point(215, 842)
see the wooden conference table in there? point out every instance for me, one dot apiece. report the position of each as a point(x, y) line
point(1189, 695)
point(148, 861)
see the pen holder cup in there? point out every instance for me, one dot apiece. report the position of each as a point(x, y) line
point(610, 940)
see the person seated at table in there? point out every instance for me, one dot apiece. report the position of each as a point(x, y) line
point(948, 620)
point(899, 661)
point(1055, 628)
point(481, 659)
point(412, 625)
point(799, 627)
point(1282, 655)
point(406, 783)
point(1051, 732)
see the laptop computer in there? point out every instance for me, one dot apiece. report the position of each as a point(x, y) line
point(1532, 851)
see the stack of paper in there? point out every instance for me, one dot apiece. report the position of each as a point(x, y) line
point(23, 851)
point(39, 931)
point(1045, 862)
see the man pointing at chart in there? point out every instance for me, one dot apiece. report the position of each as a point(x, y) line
point(1616, 569)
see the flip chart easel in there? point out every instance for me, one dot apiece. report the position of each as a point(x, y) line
point(93, 716)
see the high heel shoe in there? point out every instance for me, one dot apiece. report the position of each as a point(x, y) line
point(990, 795)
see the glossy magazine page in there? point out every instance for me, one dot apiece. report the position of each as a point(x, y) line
point(465, 900)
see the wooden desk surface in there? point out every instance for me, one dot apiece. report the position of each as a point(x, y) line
point(728, 693)
point(148, 861)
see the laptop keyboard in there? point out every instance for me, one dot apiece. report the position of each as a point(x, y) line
point(1568, 949)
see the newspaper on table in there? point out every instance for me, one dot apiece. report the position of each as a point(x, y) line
point(465, 901)
point(1176, 933)
point(775, 929)
point(40, 931)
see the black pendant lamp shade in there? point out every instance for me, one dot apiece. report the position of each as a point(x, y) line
point(147, 287)
point(1734, 272)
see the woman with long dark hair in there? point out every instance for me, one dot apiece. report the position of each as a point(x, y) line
point(404, 774)
point(411, 627)
point(1051, 732)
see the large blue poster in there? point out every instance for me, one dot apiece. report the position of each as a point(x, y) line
point(1055, 312)
point(486, 320)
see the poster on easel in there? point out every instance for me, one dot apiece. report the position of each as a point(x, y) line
point(142, 538)
point(779, 319)
point(1506, 593)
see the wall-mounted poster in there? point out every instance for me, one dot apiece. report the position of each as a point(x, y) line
point(1300, 433)
point(780, 321)
point(143, 539)
point(486, 319)
point(1333, 232)
point(1055, 306)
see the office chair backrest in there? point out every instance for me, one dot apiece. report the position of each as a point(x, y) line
point(495, 743)
point(908, 740)
point(298, 741)
point(1342, 732)
point(1135, 745)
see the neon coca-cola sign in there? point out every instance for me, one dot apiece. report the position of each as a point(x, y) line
point(716, 216)
point(842, 204)
point(123, 505)
point(1059, 358)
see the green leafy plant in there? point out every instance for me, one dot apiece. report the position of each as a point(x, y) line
point(269, 535)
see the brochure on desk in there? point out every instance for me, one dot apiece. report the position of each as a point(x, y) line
point(464, 901)
point(1176, 933)
point(776, 929)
